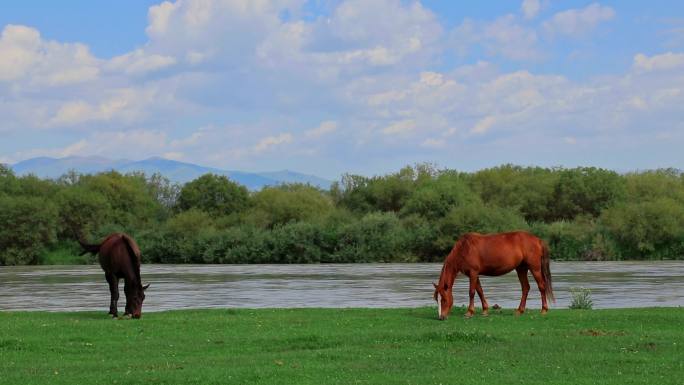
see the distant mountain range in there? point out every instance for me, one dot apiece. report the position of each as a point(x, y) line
point(179, 172)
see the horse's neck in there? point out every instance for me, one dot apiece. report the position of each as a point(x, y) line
point(449, 272)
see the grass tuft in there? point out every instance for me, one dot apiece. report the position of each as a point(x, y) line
point(581, 298)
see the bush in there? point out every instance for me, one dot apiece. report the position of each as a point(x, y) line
point(647, 230)
point(585, 191)
point(27, 228)
point(377, 237)
point(214, 194)
point(283, 204)
point(525, 189)
point(434, 198)
point(581, 298)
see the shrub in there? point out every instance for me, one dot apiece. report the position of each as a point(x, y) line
point(651, 229)
point(377, 237)
point(581, 298)
point(214, 194)
point(27, 227)
point(283, 204)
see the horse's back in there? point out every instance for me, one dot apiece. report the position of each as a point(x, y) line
point(500, 253)
point(114, 256)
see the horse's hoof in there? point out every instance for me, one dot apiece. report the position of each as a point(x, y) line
point(468, 314)
point(518, 312)
point(128, 316)
point(544, 311)
point(485, 313)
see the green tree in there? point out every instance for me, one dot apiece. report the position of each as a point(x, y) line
point(380, 193)
point(655, 184)
point(526, 189)
point(282, 204)
point(434, 197)
point(27, 227)
point(585, 190)
point(81, 211)
point(648, 229)
point(131, 203)
point(214, 194)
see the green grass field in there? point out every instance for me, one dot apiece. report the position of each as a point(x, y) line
point(351, 346)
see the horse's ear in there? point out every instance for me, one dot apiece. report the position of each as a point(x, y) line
point(434, 284)
point(146, 286)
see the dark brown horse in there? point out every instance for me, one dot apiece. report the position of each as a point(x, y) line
point(492, 255)
point(119, 257)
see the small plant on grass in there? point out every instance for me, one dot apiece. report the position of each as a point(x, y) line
point(581, 298)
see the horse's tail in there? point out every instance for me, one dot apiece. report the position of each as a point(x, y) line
point(546, 272)
point(134, 254)
point(88, 247)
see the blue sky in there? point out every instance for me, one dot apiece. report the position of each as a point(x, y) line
point(362, 86)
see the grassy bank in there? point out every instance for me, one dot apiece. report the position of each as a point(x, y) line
point(353, 346)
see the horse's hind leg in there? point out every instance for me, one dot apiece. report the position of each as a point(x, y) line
point(480, 293)
point(525, 285)
point(473, 288)
point(114, 293)
point(537, 274)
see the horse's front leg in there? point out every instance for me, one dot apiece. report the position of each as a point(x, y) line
point(113, 292)
point(480, 293)
point(127, 291)
point(471, 293)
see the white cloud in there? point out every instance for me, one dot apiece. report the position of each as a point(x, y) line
point(270, 142)
point(504, 37)
point(666, 61)
point(578, 22)
point(326, 127)
point(138, 62)
point(399, 128)
point(484, 124)
point(359, 36)
point(530, 8)
point(113, 144)
point(121, 105)
point(25, 56)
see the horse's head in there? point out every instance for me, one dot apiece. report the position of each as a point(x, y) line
point(444, 298)
point(137, 301)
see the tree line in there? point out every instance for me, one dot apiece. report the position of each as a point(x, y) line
point(413, 215)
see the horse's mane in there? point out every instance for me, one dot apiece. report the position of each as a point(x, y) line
point(461, 248)
point(134, 254)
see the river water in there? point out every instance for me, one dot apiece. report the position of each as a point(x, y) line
point(72, 288)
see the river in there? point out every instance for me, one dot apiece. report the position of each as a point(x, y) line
point(74, 288)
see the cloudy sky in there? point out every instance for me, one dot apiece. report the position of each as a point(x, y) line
point(363, 86)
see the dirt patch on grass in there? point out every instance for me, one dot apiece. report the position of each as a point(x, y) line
point(602, 333)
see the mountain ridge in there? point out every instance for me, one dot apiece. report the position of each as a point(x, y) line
point(176, 171)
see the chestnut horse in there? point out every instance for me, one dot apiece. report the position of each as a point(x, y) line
point(492, 255)
point(119, 257)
